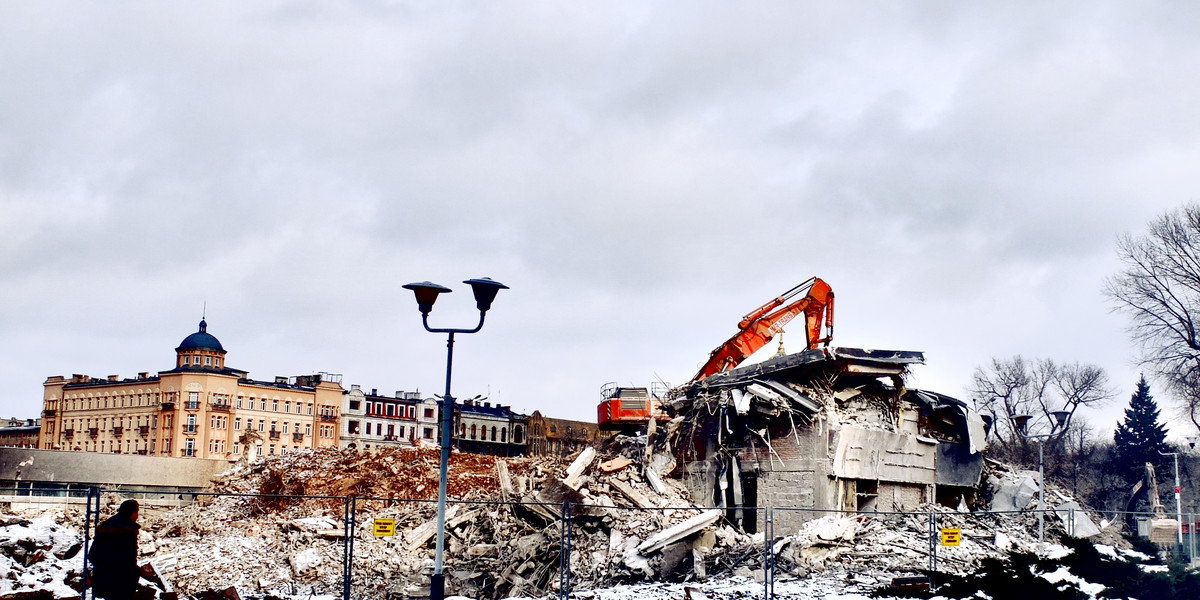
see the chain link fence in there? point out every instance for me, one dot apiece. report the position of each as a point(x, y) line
point(381, 548)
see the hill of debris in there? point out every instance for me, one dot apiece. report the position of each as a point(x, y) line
point(277, 528)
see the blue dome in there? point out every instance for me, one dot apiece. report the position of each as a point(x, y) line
point(201, 340)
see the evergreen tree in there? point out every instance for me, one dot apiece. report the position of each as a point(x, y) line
point(1141, 437)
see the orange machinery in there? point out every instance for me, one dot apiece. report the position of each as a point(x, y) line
point(758, 327)
point(629, 408)
point(632, 407)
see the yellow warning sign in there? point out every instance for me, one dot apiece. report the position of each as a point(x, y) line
point(951, 536)
point(384, 527)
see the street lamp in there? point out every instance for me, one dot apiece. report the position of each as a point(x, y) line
point(1061, 420)
point(485, 291)
point(1178, 502)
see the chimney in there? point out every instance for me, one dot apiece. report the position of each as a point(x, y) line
point(113, 377)
point(144, 375)
point(355, 386)
point(487, 404)
point(400, 394)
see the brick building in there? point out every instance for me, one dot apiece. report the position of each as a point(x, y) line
point(559, 437)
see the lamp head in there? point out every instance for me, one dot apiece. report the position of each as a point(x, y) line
point(1061, 417)
point(427, 294)
point(485, 291)
point(1020, 422)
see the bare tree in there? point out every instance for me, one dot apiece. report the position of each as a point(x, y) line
point(1015, 386)
point(1159, 289)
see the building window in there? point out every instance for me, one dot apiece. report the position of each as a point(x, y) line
point(310, 409)
point(237, 423)
point(352, 427)
point(429, 433)
point(262, 425)
point(275, 405)
point(308, 430)
point(390, 411)
point(208, 361)
point(428, 413)
point(504, 435)
point(262, 404)
point(472, 432)
point(287, 408)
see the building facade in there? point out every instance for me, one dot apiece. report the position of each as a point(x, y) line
point(559, 437)
point(482, 428)
point(374, 421)
point(201, 408)
point(20, 433)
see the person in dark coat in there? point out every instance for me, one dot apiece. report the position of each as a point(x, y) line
point(113, 554)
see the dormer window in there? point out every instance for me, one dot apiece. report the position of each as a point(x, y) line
point(208, 361)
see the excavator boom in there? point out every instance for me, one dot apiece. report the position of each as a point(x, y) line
point(760, 326)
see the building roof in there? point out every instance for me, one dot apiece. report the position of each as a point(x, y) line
point(201, 340)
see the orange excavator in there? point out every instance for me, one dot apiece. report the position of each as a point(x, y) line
point(626, 408)
point(758, 327)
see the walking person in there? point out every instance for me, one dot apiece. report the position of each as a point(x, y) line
point(113, 554)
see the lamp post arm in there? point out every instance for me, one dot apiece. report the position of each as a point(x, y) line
point(451, 331)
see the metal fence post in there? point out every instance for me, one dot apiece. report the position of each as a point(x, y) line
point(87, 535)
point(768, 555)
point(564, 554)
point(933, 543)
point(347, 545)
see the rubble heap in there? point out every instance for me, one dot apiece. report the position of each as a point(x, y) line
point(504, 526)
point(624, 530)
point(39, 558)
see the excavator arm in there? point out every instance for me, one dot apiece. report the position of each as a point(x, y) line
point(760, 326)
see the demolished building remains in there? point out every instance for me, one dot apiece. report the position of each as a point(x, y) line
point(823, 429)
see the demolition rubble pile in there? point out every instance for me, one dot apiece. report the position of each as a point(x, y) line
point(39, 558)
point(504, 528)
point(624, 531)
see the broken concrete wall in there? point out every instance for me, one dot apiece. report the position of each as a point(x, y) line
point(874, 454)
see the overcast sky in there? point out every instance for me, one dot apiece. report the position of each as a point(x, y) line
point(641, 174)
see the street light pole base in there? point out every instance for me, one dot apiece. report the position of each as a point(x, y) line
point(437, 587)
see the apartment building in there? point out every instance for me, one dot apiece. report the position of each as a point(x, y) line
point(483, 428)
point(200, 408)
point(370, 420)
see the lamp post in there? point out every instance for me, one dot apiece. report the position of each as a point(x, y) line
point(485, 291)
point(1178, 502)
point(1061, 420)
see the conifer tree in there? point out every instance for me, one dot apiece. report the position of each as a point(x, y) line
point(1141, 437)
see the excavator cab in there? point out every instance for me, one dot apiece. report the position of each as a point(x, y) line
point(628, 408)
